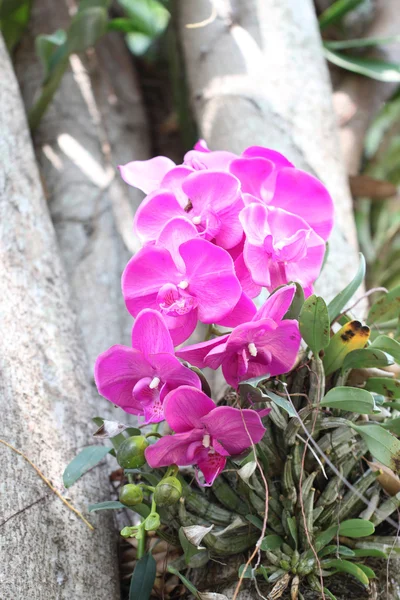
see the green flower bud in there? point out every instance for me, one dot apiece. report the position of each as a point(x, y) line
point(152, 522)
point(168, 491)
point(129, 532)
point(130, 454)
point(130, 495)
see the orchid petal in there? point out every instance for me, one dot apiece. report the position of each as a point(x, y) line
point(173, 449)
point(185, 407)
point(277, 305)
point(243, 312)
point(211, 465)
point(173, 234)
point(252, 173)
point(146, 174)
point(150, 334)
point(195, 354)
point(235, 429)
point(154, 213)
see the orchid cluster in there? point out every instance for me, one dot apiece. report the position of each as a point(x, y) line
point(218, 232)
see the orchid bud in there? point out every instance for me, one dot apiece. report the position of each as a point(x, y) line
point(129, 532)
point(152, 522)
point(130, 454)
point(168, 491)
point(131, 495)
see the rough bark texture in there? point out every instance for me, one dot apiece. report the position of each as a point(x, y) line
point(357, 99)
point(257, 76)
point(95, 122)
point(45, 401)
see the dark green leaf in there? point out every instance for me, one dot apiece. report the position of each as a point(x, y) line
point(382, 444)
point(329, 594)
point(46, 46)
point(369, 552)
point(334, 549)
point(367, 358)
point(292, 524)
point(356, 528)
point(7, 7)
point(185, 581)
point(334, 13)
point(87, 458)
point(86, 28)
point(325, 537)
point(246, 572)
point(314, 323)
point(361, 42)
point(143, 578)
point(384, 385)
point(386, 308)
point(389, 345)
point(336, 305)
point(255, 521)
point(370, 67)
point(14, 23)
point(111, 505)
point(297, 303)
point(344, 566)
point(350, 399)
point(150, 17)
point(271, 542)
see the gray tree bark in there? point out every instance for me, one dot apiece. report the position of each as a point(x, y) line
point(45, 401)
point(257, 76)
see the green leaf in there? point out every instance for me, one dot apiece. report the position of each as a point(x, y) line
point(189, 586)
point(369, 552)
point(282, 402)
point(388, 115)
point(194, 556)
point(334, 549)
point(334, 13)
point(7, 7)
point(143, 578)
point(149, 16)
point(351, 336)
point(138, 43)
point(87, 458)
point(255, 521)
point(384, 385)
point(111, 505)
point(356, 528)
point(271, 542)
point(297, 303)
point(370, 67)
point(13, 22)
point(329, 594)
point(393, 425)
point(361, 42)
point(314, 323)
point(336, 305)
point(367, 570)
point(389, 345)
point(382, 444)
point(46, 45)
point(350, 399)
point(292, 524)
point(367, 358)
point(246, 572)
point(325, 537)
point(86, 28)
point(344, 566)
point(387, 307)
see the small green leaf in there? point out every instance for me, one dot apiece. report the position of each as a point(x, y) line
point(246, 572)
point(87, 458)
point(393, 425)
point(367, 570)
point(361, 42)
point(282, 402)
point(14, 19)
point(325, 537)
point(382, 444)
point(150, 17)
point(46, 45)
point(344, 566)
point(389, 345)
point(297, 303)
point(271, 542)
point(374, 68)
point(387, 307)
point(111, 505)
point(334, 549)
point(86, 28)
point(314, 323)
point(356, 528)
point(336, 305)
point(329, 594)
point(292, 524)
point(367, 358)
point(369, 552)
point(384, 385)
point(255, 521)
point(350, 399)
point(189, 586)
point(334, 13)
point(143, 578)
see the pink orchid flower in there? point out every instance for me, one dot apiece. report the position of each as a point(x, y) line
point(138, 379)
point(265, 345)
point(205, 434)
point(210, 200)
point(185, 279)
point(280, 247)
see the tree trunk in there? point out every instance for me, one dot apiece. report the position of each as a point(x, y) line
point(95, 122)
point(257, 76)
point(44, 397)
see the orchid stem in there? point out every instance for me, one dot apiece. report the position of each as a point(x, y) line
point(141, 548)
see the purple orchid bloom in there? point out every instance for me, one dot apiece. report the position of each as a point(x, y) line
point(205, 434)
point(138, 379)
point(280, 247)
point(210, 200)
point(185, 279)
point(265, 345)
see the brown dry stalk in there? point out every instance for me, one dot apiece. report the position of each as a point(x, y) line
point(47, 482)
